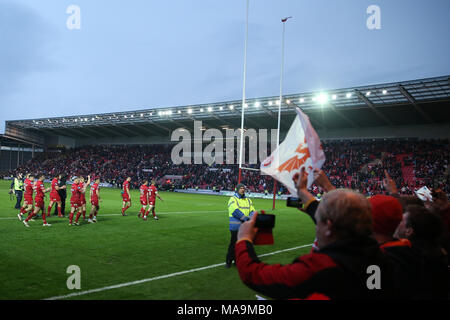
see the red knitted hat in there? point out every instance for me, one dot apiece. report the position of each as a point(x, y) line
point(387, 212)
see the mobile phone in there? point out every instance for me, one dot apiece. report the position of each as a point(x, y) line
point(265, 221)
point(293, 202)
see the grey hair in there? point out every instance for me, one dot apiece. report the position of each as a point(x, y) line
point(349, 211)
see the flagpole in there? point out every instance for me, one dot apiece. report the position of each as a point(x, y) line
point(280, 103)
point(243, 96)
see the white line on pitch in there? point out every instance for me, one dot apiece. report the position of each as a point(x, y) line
point(118, 214)
point(161, 277)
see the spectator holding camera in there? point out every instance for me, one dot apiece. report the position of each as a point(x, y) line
point(338, 269)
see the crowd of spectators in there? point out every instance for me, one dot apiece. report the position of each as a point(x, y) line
point(355, 164)
point(381, 247)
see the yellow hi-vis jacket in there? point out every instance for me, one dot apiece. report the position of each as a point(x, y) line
point(18, 184)
point(240, 209)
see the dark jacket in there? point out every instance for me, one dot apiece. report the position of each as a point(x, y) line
point(406, 267)
point(62, 192)
point(434, 281)
point(403, 260)
point(338, 271)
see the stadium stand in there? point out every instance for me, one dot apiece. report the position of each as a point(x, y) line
point(365, 130)
point(358, 165)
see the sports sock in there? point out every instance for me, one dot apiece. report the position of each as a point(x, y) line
point(59, 211)
point(78, 216)
point(30, 215)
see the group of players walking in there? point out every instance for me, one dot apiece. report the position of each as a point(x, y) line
point(148, 196)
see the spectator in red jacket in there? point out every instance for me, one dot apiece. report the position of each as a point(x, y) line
point(338, 269)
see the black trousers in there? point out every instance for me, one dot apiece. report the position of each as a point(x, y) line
point(230, 254)
point(19, 199)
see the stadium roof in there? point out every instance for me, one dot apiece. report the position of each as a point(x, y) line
point(423, 101)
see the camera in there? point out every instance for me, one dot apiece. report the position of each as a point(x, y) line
point(293, 202)
point(265, 221)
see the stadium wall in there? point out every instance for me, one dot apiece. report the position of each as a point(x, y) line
point(122, 140)
point(10, 159)
point(67, 142)
point(431, 131)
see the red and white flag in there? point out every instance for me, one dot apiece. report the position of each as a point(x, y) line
point(300, 148)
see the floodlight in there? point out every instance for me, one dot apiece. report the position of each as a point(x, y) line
point(322, 98)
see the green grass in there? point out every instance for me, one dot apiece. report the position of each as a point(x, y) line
point(192, 232)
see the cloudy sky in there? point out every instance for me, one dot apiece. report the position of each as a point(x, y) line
point(135, 54)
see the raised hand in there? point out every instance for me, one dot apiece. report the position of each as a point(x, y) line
point(301, 179)
point(389, 184)
point(301, 183)
point(321, 180)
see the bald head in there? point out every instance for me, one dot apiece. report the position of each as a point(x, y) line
point(343, 213)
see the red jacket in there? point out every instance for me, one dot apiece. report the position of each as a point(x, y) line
point(338, 271)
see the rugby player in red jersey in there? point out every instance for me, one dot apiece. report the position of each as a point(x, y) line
point(95, 198)
point(144, 199)
point(75, 199)
point(153, 193)
point(83, 195)
point(40, 191)
point(28, 196)
point(126, 196)
point(54, 195)
point(82, 198)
